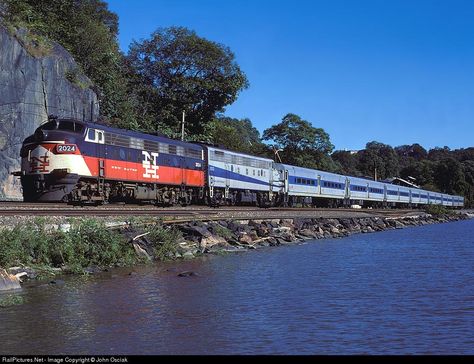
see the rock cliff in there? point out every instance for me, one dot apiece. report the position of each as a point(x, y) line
point(36, 79)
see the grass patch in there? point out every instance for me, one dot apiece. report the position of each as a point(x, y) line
point(87, 243)
point(438, 210)
point(35, 44)
point(222, 231)
point(76, 77)
point(164, 241)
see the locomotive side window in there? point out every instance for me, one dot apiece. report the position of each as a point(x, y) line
point(136, 143)
point(96, 136)
point(193, 153)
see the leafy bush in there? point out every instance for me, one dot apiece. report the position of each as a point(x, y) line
point(90, 243)
point(87, 243)
point(164, 241)
point(221, 231)
point(438, 210)
point(25, 243)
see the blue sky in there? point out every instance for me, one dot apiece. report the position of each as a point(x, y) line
point(398, 72)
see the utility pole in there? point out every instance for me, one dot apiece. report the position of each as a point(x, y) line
point(182, 127)
point(276, 153)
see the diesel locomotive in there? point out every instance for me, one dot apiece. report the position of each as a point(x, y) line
point(87, 163)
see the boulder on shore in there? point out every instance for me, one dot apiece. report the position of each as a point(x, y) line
point(8, 281)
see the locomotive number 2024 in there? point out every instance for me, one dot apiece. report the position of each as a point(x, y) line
point(66, 148)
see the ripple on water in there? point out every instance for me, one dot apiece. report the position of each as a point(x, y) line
point(396, 292)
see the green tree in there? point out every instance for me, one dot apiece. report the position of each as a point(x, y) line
point(176, 70)
point(238, 135)
point(415, 151)
point(438, 153)
point(347, 162)
point(301, 143)
point(378, 157)
point(422, 171)
point(468, 170)
point(408, 154)
point(464, 154)
point(448, 175)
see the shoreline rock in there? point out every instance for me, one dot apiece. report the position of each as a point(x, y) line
point(257, 233)
point(8, 281)
point(229, 236)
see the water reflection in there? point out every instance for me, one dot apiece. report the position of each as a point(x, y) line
point(396, 292)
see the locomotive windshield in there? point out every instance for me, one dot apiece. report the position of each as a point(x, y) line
point(65, 125)
point(50, 125)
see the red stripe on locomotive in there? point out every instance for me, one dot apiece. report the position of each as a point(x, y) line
point(130, 171)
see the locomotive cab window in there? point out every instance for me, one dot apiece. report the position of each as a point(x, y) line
point(68, 125)
point(96, 136)
point(50, 125)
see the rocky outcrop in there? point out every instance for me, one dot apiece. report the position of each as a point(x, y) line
point(36, 79)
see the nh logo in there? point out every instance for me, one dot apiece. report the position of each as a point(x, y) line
point(39, 164)
point(150, 165)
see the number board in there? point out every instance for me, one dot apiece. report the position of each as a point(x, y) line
point(66, 148)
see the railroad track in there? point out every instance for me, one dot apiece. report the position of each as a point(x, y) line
point(77, 212)
point(11, 208)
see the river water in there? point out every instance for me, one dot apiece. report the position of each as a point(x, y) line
point(407, 291)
